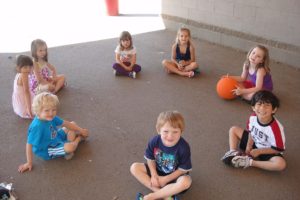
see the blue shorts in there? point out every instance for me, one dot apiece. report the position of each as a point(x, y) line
point(57, 150)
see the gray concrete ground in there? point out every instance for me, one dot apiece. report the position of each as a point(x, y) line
point(121, 113)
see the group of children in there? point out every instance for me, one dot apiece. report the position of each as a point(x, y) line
point(34, 76)
point(35, 86)
point(168, 156)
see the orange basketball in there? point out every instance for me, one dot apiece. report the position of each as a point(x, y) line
point(225, 86)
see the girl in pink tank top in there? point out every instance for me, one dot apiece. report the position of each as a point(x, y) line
point(22, 97)
point(44, 77)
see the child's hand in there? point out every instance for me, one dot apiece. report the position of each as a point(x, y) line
point(182, 63)
point(84, 132)
point(129, 69)
point(155, 182)
point(51, 87)
point(238, 91)
point(24, 167)
point(248, 150)
point(254, 153)
point(51, 79)
point(180, 66)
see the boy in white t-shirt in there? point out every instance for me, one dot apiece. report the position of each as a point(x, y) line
point(263, 142)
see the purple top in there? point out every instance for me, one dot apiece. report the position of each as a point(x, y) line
point(267, 82)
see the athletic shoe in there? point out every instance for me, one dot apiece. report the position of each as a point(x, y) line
point(241, 161)
point(132, 74)
point(139, 196)
point(229, 155)
point(115, 72)
point(197, 70)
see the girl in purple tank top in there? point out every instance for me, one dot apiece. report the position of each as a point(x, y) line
point(256, 73)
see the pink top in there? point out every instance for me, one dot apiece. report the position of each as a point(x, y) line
point(18, 99)
point(44, 72)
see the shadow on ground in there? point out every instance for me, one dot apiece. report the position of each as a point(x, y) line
point(121, 114)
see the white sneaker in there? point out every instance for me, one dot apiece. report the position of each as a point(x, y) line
point(132, 74)
point(241, 161)
point(229, 155)
point(115, 72)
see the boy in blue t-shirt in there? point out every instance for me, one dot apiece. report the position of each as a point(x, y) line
point(45, 137)
point(168, 157)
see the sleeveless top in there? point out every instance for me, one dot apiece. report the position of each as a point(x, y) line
point(181, 56)
point(18, 99)
point(33, 82)
point(267, 82)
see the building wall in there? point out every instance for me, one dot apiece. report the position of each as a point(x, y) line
point(241, 24)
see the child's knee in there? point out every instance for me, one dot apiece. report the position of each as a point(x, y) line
point(281, 164)
point(232, 130)
point(135, 168)
point(235, 131)
point(194, 65)
point(185, 182)
point(70, 147)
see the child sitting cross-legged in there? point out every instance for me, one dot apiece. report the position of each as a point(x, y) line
point(45, 139)
point(263, 142)
point(166, 172)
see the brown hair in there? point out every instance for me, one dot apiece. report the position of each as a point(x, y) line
point(125, 35)
point(35, 44)
point(23, 61)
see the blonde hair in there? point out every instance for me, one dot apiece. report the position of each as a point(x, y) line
point(44, 99)
point(182, 29)
point(35, 44)
point(175, 119)
point(266, 58)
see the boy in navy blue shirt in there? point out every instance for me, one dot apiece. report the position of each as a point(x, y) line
point(168, 160)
